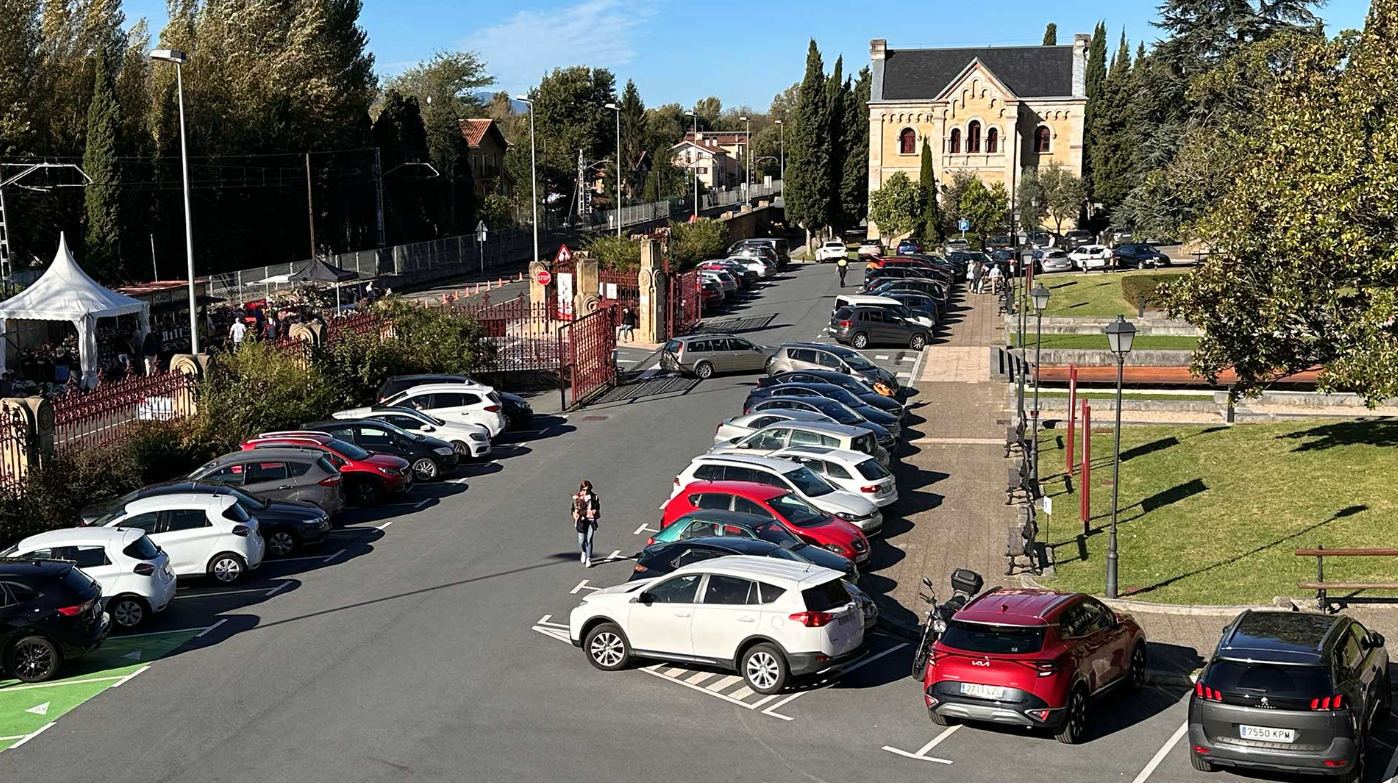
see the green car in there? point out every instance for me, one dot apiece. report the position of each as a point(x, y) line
point(716, 522)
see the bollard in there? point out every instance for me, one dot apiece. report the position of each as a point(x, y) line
point(1072, 412)
point(1085, 483)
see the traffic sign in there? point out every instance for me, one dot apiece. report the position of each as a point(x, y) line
point(542, 277)
point(963, 225)
point(564, 255)
point(480, 231)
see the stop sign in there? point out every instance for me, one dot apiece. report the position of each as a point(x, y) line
point(542, 277)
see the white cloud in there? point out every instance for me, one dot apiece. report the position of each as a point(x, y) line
point(595, 33)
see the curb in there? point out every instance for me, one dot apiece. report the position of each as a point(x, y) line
point(1145, 607)
point(899, 629)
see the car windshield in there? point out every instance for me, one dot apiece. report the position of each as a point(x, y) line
point(796, 511)
point(774, 533)
point(808, 483)
point(994, 639)
point(837, 411)
point(857, 361)
point(346, 450)
point(872, 470)
point(399, 431)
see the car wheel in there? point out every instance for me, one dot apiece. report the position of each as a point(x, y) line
point(704, 370)
point(764, 669)
point(127, 611)
point(1199, 762)
point(425, 469)
point(918, 341)
point(33, 659)
point(1137, 675)
point(280, 542)
point(227, 568)
point(607, 648)
point(860, 341)
point(365, 492)
point(464, 451)
point(1074, 726)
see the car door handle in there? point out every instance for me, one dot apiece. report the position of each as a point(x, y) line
point(286, 486)
point(747, 619)
point(681, 614)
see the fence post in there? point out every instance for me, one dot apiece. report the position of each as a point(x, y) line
point(1072, 412)
point(1321, 599)
point(1085, 495)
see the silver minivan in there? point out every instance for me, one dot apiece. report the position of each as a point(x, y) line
point(703, 355)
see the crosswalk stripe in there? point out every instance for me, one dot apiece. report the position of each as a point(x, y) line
point(700, 677)
point(676, 671)
point(741, 693)
point(882, 356)
point(723, 684)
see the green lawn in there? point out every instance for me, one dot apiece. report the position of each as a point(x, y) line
point(1143, 342)
point(1091, 293)
point(1212, 515)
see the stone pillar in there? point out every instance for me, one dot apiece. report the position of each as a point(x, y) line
point(586, 280)
point(654, 284)
point(195, 366)
point(537, 293)
point(30, 441)
point(313, 333)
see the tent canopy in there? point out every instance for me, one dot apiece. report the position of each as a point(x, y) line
point(320, 272)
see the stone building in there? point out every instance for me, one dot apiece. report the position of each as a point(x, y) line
point(991, 111)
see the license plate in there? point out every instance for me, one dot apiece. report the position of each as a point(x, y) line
point(1266, 734)
point(847, 618)
point(982, 691)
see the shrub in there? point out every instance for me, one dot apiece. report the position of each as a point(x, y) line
point(254, 389)
point(1152, 287)
point(436, 341)
point(615, 252)
point(694, 243)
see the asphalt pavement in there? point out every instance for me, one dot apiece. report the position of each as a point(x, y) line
point(423, 643)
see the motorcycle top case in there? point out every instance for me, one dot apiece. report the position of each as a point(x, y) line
point(966, 581)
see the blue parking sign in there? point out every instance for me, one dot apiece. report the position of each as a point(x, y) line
point(963, 225)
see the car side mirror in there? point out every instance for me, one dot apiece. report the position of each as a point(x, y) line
point(428, 428)
point(1376, 639)
point(642, 598)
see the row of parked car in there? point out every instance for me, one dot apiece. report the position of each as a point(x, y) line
point(62, 591)
point(748, 262)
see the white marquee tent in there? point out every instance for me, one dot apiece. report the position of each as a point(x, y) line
point(66, 293)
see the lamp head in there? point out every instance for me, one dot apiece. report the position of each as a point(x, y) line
point(170, 56)
point(611, 106)
point(524, 99)
point(1040, 295)
point(1120, 333)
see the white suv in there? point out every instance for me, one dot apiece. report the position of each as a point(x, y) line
point(204, 533)
point(134, 573)
point(455, 402)
point(852, 507)
point(848, 470)
point(767, 619)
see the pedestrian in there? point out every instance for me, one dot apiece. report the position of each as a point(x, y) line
point(976, 276)
point(150, 351)
point(273, 330)
point(627, 328)
point(586, 510)
point(995, 277)
point(62, 366)
point(842, 266)
point(237, 331)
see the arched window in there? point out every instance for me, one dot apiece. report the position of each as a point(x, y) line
point(973, 137)
point(1041, 139)
point(907, 142)
point(992, 140)
point(955, 140)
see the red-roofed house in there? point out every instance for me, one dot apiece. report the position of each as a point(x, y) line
point(488, 145)
point(715, 167)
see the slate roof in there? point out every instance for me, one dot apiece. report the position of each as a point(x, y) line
point(1028, 71)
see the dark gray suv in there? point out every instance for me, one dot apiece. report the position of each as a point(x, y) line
point(279, 474)
point(1290, 692)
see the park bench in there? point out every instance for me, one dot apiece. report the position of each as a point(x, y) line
point(1322, 587)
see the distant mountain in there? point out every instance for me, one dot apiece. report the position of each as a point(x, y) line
point(515, 106)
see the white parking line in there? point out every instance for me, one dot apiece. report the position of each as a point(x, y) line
point(456, 481)
point(882, 357)
point(321, 558)
point(277, 589)
point(129, 677)
point(203, 629)
point(643, 529)
point(723, 683)
point(921, 754)
point(28, 737)
point(14, 688)
point(226, 592)
point(1160, 754)
point(386, 524)
point(210, 628)
point(14, 737)
point(835, 677)
point(908, 358)
point(582, 586)
point(546, 621)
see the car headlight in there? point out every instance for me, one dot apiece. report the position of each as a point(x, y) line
point(478, 437)
point(445, 451)
point(836, 548)
point(389, 471)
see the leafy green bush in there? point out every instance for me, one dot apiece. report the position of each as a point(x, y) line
point(694, 243)
point(615, 252)
point(1152, 287)
point(437, 341)
point(258, 388)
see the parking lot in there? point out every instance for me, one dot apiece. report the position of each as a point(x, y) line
point(427, 641)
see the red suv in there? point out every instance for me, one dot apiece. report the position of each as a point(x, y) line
point(368, 477)
point(796, 515)
point(1032, 658)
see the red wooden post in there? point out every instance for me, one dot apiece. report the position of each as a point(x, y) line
point(1072, 411)
point(1085, 489)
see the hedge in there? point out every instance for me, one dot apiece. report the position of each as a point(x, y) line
point(1151, 286)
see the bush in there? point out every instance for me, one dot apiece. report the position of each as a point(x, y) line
point(1152, 287)
point(694, 243)
point(255, 389)
point(436, 341)
point(615, 252)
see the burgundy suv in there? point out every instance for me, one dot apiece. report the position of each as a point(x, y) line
point(1032, 658)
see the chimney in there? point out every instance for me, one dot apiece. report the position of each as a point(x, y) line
point(878, 48)
point(1080, 42)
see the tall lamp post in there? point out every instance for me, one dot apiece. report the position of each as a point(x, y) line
point(533, 172)
point(179, 58)
point(617, 109)
point(695, 115)
point(1120, 333)
point(781, 149)
point(747, 136)
point(1040, 295)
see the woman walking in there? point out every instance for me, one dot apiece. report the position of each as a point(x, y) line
point(586, 510)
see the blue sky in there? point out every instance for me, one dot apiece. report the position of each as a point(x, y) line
point(681, 50)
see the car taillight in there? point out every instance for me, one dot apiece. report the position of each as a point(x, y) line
point(144, 569)
point(1046, 668)
point(639, 568)
point(813, 619)
point(677, 481)
point(74, 611)
point(1335, 702)
point(330, 481)
point(870, 488)
point(1039, 715)
point(846, 324)
point(1205, 692)
point(650, 541)
point(241, 530)
point(492, 409)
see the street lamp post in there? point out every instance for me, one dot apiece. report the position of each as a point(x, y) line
point(747, 135)
point(695, 167)
point(179, 58)
point(781, 147)
point(1119, 336)
point(617, 206)
point(533, 172)
point(1040, 295)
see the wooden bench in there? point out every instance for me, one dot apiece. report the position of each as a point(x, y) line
point(1159, 376)
point(1321, 586)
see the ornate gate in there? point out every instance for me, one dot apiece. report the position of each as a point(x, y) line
point(589, 342)
point(682, 306)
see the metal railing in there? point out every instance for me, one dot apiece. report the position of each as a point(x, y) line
point(91, 418)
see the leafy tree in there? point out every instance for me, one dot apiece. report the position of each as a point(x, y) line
point(19, 70)
point(931, 225)
point(1031, 202)
point(897, 207)
point(570, 116)
point(951, 199)
point(784, 103)
point(854, 147)
point(808, 188)
point(1096, 74)
point(1051, 35)
point(693, 243)
point(614, 252)
point(984, 207)
point(102, 248)
point(708, 110)
point(408, 203)
point(454, 189)
point(1063, 192)
point(450, 78)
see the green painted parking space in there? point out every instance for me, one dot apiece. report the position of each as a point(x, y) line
point(28, 708)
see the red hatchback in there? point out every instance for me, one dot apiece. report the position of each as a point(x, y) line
point(1032, 658)
point(799, 517)
point(369, 477)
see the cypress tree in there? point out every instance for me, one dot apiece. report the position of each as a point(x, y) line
point(102, 199)
point(1111, 149)
point(807, 189)
point(854, 183)
point(931, 208)
point(1051, 35)
point(836, 87)
point(633, 136)
point(1096, 74)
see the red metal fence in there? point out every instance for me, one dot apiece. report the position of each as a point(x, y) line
point(360, 323)
point(682, 306)
point(93, 418)
point(591, 340)
point(620, 288)
point(524, 334)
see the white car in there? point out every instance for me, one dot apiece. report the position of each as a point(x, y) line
point(831, 251)
point(755, 264)
point(468, 440)
point(849, 506)
point(870, 248)
point(205, 534)
point(768, 619)
point(851, 471)
point(1091, 257)
point(1055, 260)
point(857, 300)
point(455, 402)
point(136, 578)
point(738, 427)
point(725, 279)
point(956, 246)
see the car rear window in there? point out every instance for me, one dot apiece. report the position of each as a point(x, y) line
point(825, 597)
point(993, 639)
point(142, 549)
point(1294, 682)
point(872, 470)
point(844, 314)
point(81, 584)
point(236, 512)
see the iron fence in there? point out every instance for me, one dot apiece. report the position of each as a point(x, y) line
point(14, 448)
point(83, 419)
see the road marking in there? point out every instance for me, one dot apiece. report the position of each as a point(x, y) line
point(917, 366)
point(134, 655)
point(204, 628)
point(321, 558)
point(422, 503)
point(835, 677)
point(222, 592)
point(1160, 754)
point(643, 529)
point(14, 737)
point(386, 524)
point(332, 557)
point(700, 677)
point(40, 709)
point(14, 688)
point(723, 684)
point(909, 358)
point(546, 621)
point(921, 754)
point(456, 481)
point(905, 375)
point(741, 693)
point(129, 677)
point(582, 586)
point(554, 633)
point(882, 357)
point(32, 736)
point(277, 589)
point(210, 628)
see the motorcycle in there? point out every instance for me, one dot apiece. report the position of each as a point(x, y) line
point(965, 584)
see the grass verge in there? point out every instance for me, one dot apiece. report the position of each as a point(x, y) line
point(1095, 294)
point(1212, 515)
point(1098, 342)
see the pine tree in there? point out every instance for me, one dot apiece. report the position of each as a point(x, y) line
point(1096, 74)
point(854, 184)
point(633, 138)
point(102, 248)
point(1051, 35)
point(807, 189)
point(399, 132)
point(931, 207)
point(1110, 132)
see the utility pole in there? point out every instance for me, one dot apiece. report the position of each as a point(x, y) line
point(310, 206)
point(378, 194)
point(154, 267)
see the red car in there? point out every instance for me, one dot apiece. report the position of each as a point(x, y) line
point(369, 477)
point(1032, 658)
point(799, 517)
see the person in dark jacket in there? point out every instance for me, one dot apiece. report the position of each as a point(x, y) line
point(587, 509)
point(150, 351)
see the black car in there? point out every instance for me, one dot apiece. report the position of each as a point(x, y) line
point(1140, 257)
point(866, 403)
point(518, 413)
point(1290, 692)
point(429, 457)
point(49, 612)
point(841, 413)
point(662, 558)
point(933, 288)
point(850, 383)
point(919, 304)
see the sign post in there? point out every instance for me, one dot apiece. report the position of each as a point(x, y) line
point(480, 242)
point(963, 225)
